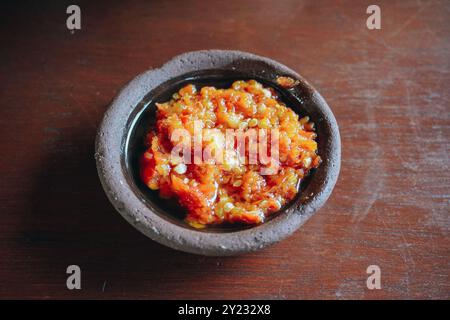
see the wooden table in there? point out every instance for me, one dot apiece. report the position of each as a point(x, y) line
point(388, 88)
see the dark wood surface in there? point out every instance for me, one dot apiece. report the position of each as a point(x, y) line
point(388, 88)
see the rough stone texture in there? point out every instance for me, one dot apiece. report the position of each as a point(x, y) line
point(134, 210)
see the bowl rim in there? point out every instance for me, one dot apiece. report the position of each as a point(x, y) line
point(108, 155)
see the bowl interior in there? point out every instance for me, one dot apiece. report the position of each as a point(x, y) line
point(142, 119)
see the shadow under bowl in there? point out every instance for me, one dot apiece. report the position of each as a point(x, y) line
point(121, 135)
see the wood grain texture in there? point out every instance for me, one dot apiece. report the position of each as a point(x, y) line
point(388, 88)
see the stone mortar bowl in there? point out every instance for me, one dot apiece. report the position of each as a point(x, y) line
point(120, 141)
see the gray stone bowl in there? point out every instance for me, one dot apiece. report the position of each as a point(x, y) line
point(120, 140)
